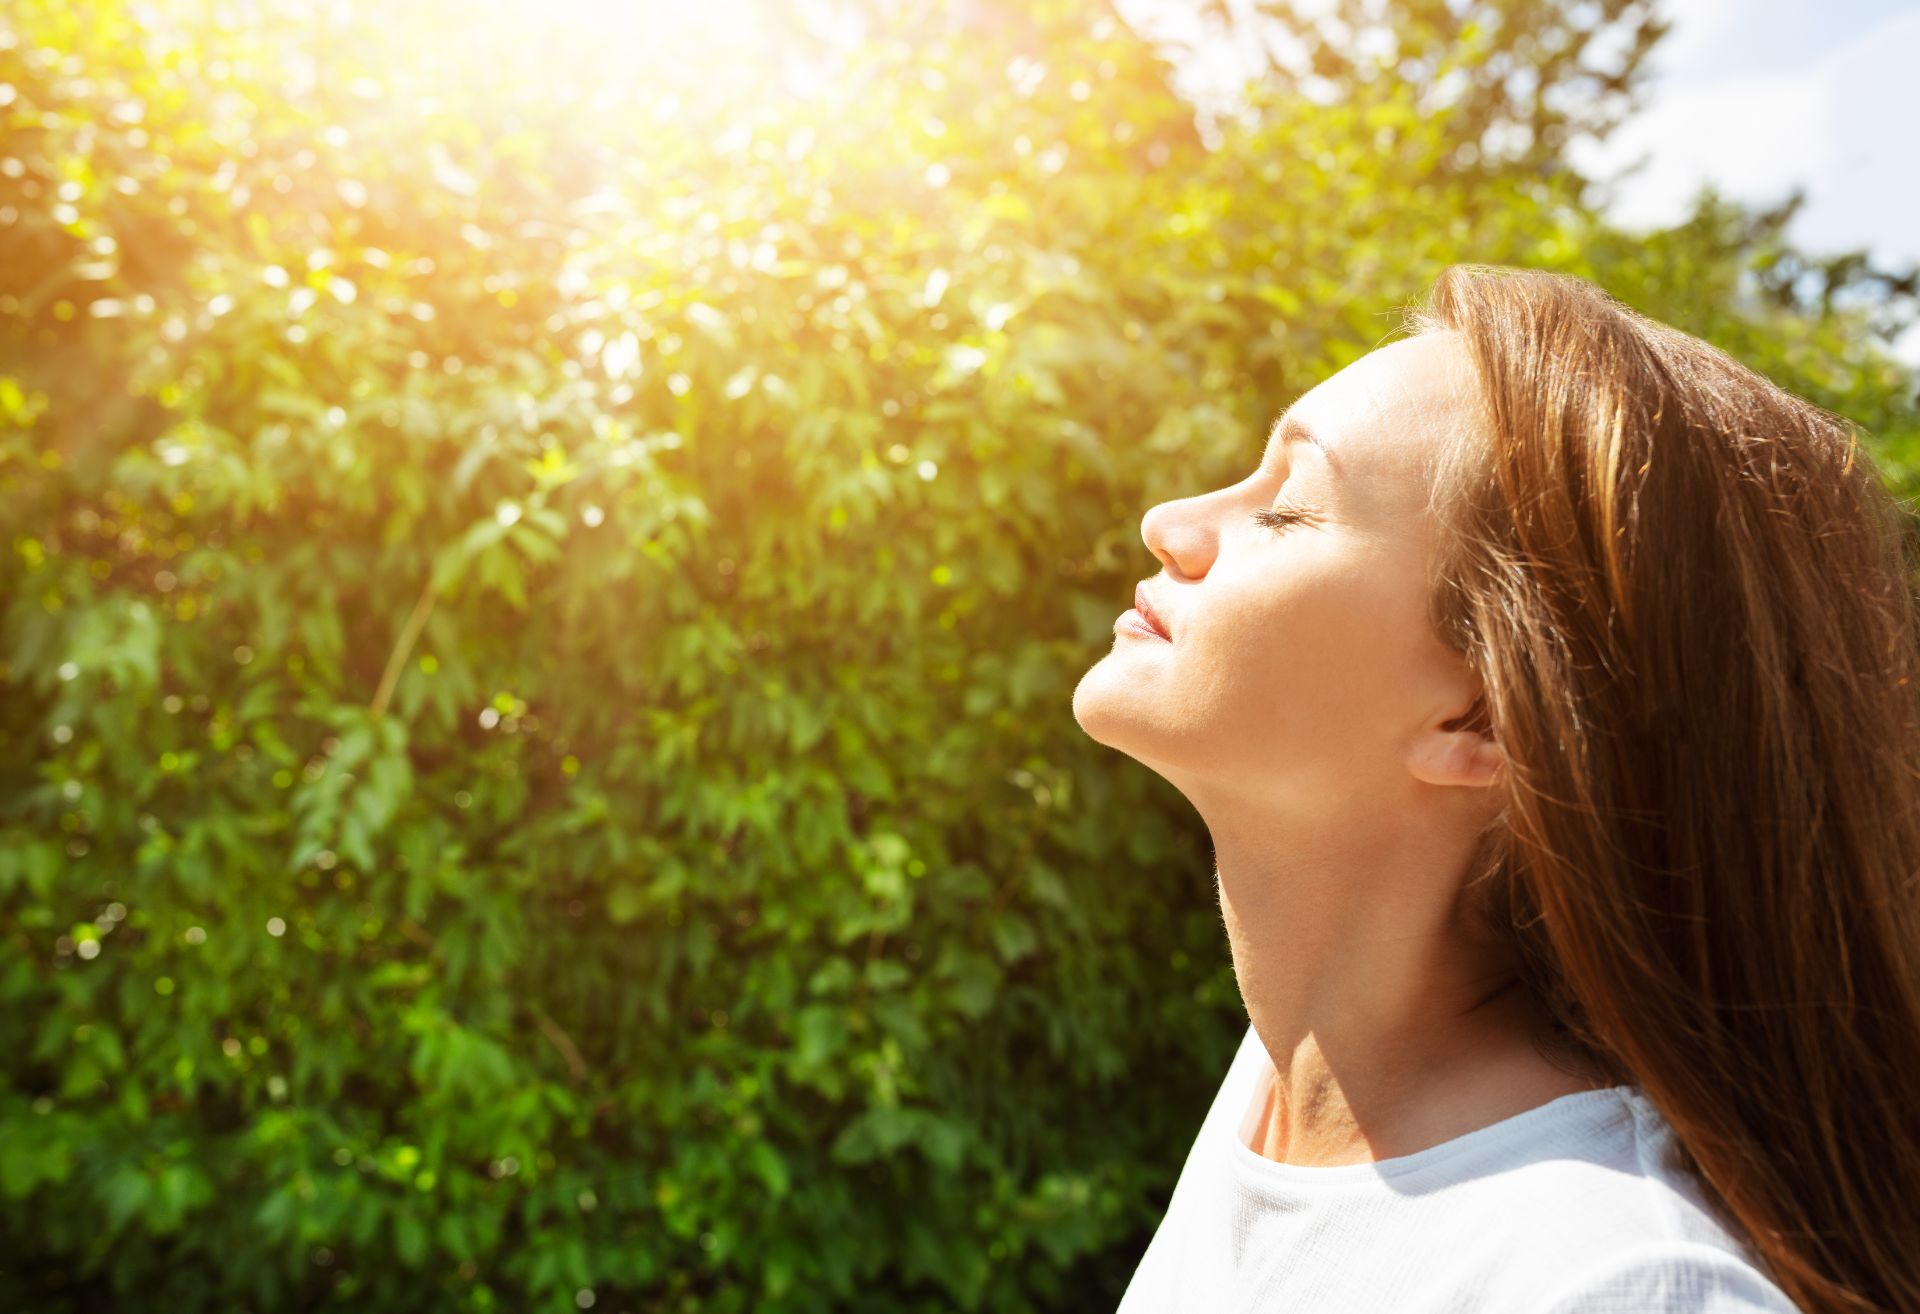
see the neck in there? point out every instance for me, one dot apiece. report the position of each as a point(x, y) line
point(1389, 1027)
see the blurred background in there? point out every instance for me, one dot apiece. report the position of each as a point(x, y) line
point(547, 548)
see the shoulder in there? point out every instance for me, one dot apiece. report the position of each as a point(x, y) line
point(1671, 1277)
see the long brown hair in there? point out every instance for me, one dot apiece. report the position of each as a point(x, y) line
point(1690, 599)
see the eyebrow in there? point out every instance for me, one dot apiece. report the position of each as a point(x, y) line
point(1290, 428)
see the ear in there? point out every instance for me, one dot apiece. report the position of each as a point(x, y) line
point(1458, 750)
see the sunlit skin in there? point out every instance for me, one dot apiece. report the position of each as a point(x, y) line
point(1306, 710)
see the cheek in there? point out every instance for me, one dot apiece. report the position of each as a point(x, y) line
point(1322, 663)
point(1297, 675)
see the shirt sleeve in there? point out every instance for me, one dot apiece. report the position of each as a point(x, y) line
point(1672, 1277)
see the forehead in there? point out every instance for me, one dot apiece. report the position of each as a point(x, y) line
point(1384, 414)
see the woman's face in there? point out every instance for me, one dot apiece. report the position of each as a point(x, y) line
point(1300, 668)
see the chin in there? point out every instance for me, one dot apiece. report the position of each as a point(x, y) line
point(1087, 702)
point(1116, 708)
point(1101, 705)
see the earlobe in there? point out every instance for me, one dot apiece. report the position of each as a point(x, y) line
point(1469, 758)
point(1488, 762)
point(1489, 759)
point(1463, 752)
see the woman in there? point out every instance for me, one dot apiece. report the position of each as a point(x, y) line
point(1548, 693)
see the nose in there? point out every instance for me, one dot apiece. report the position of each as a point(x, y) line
point(1183, 543)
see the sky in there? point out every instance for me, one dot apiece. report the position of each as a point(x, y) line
point(1754, 95)
point(1758, 95)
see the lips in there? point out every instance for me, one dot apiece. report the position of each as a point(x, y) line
point(1143, 605)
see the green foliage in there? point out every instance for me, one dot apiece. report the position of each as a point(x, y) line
point(543, 584)
point(1541, 73)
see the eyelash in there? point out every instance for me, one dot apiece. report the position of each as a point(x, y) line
point(1276, 519)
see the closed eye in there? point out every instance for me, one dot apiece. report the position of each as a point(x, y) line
point(1277, 517)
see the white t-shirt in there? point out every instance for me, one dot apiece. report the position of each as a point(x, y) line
point(1567, 1208)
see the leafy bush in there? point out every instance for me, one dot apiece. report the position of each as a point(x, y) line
point(541, 602)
